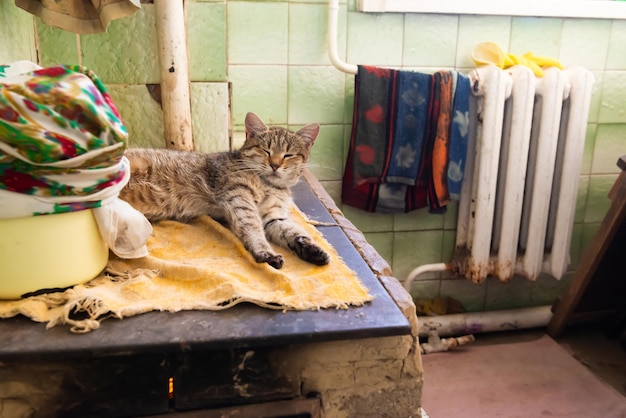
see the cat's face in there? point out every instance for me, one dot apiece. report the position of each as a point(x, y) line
point(278, 155)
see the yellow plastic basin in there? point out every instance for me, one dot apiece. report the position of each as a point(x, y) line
point(49, 251)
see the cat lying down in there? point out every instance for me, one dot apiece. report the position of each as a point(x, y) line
point(248, 189)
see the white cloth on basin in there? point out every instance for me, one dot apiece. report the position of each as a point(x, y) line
point(123, 228)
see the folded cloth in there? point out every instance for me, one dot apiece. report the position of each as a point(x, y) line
point(413, 91)
point(438, 185)
point(458, 135)
point(61, 142)
point(197, 266)
point(405, 124)
point(80, 16)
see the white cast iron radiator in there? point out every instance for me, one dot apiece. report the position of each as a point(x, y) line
point(518, 199)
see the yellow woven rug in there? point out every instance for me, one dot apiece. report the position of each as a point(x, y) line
point(200, 266)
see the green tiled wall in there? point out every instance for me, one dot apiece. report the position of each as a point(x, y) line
point(273, 54)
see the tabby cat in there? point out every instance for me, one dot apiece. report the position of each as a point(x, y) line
point(248, 190)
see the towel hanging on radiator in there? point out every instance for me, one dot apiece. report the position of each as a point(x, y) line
point(409, 138)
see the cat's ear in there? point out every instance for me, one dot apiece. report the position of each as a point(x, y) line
point(309, 133)
point(254, 125)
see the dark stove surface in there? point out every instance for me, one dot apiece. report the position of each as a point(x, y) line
point(244, 325)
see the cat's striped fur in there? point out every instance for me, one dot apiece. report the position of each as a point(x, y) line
point(248, 189)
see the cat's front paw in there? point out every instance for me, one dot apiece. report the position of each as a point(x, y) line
point(274, 260)
point(311, 252)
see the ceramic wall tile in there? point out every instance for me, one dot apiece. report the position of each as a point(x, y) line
point(470, 295)
point(375, 39)
point(327, 153)
point(539, 35)
point(315, 95)
point(308, 34)
point(430, 40)
point(476, 29)
point(127, 53)
point(610, 145)
point(57, 46)
point(261, 89)
point(383, 243)
point(206, 40)
point(512, 294)
point(585, 42)
point(598, 201)
point(144, 122)
point(209, 116)
point(613, 103)
point(257, 32)
point(616, 58)
point(413, 249)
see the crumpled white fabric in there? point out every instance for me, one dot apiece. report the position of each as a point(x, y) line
point(123, 228)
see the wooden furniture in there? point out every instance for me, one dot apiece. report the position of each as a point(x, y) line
point(598, 288)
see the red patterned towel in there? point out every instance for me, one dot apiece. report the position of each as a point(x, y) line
point(399, 148)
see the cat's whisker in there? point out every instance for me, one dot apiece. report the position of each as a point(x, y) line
point(253, 172)
point(316, 165)
point(247, 168)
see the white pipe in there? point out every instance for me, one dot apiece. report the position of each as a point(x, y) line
point(490, 321)
point(475, 322)
point(333, 12)
point(423, 269)
point(174, 70)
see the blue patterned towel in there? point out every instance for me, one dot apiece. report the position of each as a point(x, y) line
point(458, 136)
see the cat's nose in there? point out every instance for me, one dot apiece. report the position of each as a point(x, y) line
point(274, 166)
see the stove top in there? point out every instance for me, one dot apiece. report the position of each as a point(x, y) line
point(244, 325)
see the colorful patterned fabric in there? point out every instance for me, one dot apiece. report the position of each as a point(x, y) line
point(61, 142)
point(390, 128)
point(404, 128)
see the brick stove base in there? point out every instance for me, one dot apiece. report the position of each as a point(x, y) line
point(377, 377)
point(374, 377)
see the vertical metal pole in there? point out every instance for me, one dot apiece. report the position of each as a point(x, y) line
point(174, 70)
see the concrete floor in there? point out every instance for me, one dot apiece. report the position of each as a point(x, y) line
point(528, 374)
point(603, 356)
